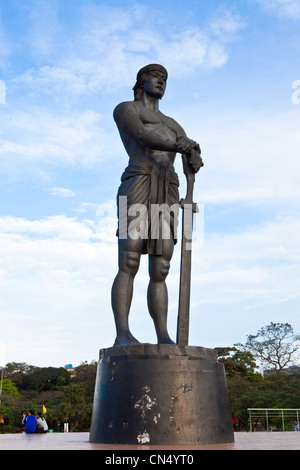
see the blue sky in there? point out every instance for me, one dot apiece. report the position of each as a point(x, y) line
point(64, 66)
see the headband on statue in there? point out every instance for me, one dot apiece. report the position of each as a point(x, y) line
point(152, 68)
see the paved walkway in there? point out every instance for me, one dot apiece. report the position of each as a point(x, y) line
point(80, 441)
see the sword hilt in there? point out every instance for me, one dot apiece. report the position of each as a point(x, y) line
point(190, 178)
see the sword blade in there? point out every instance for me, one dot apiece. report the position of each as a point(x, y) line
point(185, 282)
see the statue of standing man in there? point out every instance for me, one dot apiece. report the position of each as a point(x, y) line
point(151, 140)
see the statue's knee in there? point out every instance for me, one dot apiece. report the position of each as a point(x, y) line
point(132, 263)
point(159, 272)
point(165, 269)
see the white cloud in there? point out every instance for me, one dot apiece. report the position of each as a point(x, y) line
point(44, 28)
point(62, 192)
point(192, 49)
point(56, 272)
point(249, 158)
point(261, 261)
point(41, 136)
point(112, 42)
point(55, 286)
point(6, 45)
point(283, 9)
point(59, 227)
point(226, 25)
point(62, 271)
point(243, 281)
point(56, 244)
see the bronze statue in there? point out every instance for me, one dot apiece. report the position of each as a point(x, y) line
point(132, 375)
point(151, 140)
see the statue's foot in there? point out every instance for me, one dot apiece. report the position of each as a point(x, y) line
point(165, 340)
point(125, 339)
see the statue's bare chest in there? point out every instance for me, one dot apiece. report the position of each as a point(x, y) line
point(158, 121)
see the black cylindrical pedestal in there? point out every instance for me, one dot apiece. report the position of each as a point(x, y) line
point(160, 395)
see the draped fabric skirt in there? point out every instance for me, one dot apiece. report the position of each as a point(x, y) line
point(148, 201)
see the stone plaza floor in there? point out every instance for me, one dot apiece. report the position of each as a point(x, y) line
point(80, 441)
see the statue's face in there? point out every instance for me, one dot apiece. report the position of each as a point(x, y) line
point(155, 85)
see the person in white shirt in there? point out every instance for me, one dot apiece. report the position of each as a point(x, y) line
point(42, 425)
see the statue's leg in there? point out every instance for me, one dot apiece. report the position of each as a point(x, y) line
point(157, 291)
point(122, 291)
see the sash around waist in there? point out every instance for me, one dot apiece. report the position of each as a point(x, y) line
point(155, 170)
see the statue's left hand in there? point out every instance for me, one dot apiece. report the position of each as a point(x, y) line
point(195, 160)
point(186, 145)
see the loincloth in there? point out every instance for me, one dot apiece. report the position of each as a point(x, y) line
point(154, 191)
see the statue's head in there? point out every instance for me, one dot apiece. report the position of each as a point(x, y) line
point(142, 77)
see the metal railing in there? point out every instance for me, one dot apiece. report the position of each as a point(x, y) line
point(271, 414)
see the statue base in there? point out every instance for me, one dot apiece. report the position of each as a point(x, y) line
point(160, 395)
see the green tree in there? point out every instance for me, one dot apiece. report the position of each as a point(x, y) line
point(75, 408)
point(8, 388)
point(275, 346)
point(16, 371)
point(11, 404)
point(245, 393)
point(72, 403)
point(236, 361)
point(85, 372)
point(46, 378)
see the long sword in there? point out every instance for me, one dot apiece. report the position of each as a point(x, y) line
point(189, 209)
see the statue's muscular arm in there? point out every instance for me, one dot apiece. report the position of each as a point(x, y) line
point(131, 126)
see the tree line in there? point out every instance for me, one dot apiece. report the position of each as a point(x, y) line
point(68, 395)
